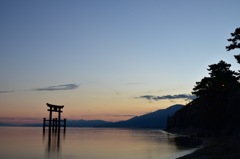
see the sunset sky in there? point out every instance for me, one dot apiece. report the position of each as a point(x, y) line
point(107, 59)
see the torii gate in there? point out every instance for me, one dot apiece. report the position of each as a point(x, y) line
point(54, 123)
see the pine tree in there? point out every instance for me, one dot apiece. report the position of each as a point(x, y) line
point(235, 43)
point(221, 79)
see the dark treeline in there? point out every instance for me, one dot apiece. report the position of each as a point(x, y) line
point(216, 110)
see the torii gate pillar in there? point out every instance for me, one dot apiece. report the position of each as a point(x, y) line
point(56, 122)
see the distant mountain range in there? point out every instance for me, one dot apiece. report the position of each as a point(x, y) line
point(88, 123)
point(157, 119)
point(6, 124)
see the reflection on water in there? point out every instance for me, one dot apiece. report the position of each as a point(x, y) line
point(54, 138)
point(87, 143)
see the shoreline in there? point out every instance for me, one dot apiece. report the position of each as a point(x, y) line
point(191, 144)
point(205, 143)
point(227, 147)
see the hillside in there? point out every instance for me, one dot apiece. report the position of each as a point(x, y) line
point(208, 116)
point(87, 123)
point(157, 119)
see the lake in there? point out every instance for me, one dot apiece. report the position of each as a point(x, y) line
point(87, 143)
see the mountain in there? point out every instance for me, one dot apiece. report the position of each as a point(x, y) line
point(6, 124)
point(87, 123)
point(210, 115)
point(157, 119)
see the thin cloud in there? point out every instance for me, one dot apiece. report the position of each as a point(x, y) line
point(120, 115)
point(6, 91)
point(58, 87)
point(109, 115)
point(115, 115)
point(134, 83)
point(167, 97)
point(18, 118)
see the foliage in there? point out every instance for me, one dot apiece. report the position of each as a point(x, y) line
point(235, 43)
point(217, 108)
point(221, 79)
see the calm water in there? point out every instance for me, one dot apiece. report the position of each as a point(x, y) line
point(87, 143)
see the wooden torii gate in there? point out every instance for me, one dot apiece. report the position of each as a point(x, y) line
point(55, 123)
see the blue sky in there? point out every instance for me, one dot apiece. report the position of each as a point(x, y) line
point(98, 57)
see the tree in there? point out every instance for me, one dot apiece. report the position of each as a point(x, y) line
point(216, 110)
point(221, 79)
point(215, 106)
point(235, 43)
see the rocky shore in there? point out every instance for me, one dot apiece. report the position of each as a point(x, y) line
point(217, 148)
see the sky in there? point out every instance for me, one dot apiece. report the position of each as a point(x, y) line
point(108, 59)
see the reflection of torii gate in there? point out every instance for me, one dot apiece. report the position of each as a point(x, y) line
point(56, 122)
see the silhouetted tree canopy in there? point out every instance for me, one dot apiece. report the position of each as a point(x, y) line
point(235, 43)
point(221, 79)
point(217, 108)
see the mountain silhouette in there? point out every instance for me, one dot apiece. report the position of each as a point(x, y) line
point(157, 119)
point(88, 123)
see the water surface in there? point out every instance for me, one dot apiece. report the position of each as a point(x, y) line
point(87, 143)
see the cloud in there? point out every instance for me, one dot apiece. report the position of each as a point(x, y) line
point(134, 83)
point(18, 118)
point(6, 91)
point(120, 115)
point(104, 115)
point(58, 87)
point(115, 115)
point(168, 97)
